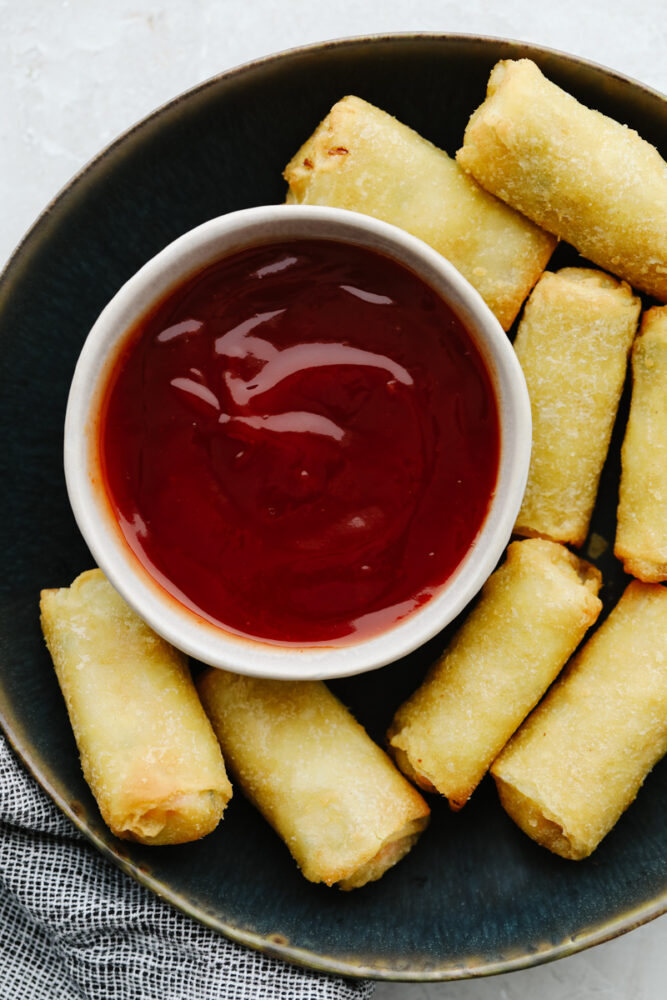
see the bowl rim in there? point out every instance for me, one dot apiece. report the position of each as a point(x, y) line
point(223, 236)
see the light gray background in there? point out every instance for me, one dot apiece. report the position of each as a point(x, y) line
point(76, 73)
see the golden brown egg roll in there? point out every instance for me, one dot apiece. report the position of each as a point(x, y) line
point(360, 158)
point(344, 811)
point(577, 173)
point(533, 613)
point(641, 533)
point(579, 760)
point(573, 343)
point(147, 748)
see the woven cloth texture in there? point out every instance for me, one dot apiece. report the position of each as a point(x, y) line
point(74, 927)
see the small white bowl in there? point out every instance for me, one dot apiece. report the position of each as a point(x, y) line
point(182, 627)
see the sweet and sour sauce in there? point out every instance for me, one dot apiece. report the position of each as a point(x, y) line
point(300, 442)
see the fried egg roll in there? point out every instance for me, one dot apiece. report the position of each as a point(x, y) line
point(641, 533)
point(147, 749)
point(573, 344)
point(533, 613)
point(360, 158)
point(577, 173)
point(579, 760)
point(344, 811)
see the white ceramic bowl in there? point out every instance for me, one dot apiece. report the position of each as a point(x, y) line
point(188, 254)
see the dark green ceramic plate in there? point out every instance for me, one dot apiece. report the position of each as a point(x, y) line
point(475, 896)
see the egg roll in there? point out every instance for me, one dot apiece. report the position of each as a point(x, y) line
point(572, 343)
point(148, 751)
point(343, 810)
point(580, 175)
point(360, 158)
point(533, 613)
point(641, 531)
point(579, 760)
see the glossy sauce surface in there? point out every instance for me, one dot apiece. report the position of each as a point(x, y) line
point(300, 443)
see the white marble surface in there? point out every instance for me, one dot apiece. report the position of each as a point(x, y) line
point(75, 73)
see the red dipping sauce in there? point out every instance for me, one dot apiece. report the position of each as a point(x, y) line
point(300, 442)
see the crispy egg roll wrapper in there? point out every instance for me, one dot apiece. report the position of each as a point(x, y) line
point(577, 173)
point(579, 760)
point(533, 612)
point(360, 158)
point(573, 344)
point(641, 532)
point(147, 749)
point(342, 808)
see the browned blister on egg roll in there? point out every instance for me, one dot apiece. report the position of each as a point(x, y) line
point(577, 173)
point(573, 343)
point(360, 158)
point(641, 533)
point(148, 751)
point(342, 808)
point(533, 612)
point(579, 760)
